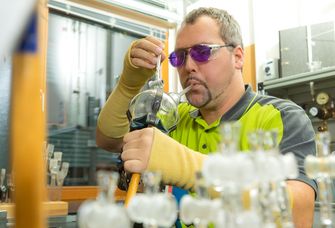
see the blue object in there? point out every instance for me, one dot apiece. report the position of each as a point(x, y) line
point(29, 38)
point(178, 194)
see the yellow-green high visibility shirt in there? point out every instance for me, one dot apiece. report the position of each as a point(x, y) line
point(254, 112)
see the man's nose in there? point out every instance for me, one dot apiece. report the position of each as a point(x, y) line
point(190, 64)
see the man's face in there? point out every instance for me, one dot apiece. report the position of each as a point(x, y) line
point(211, 79)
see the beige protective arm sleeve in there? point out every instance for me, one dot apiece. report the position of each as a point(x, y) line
point(112, 120)
point(177, 163)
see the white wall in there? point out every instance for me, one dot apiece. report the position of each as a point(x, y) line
point(272, 16)
point(241, 10)
point(261, 21)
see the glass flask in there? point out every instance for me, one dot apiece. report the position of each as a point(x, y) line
point(153, 107)
point(200, 209)
point(153, 208)
point(322, 169)
point(104, 212)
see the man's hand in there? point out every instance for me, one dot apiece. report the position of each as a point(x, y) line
point(144, 52)
point(137, 150)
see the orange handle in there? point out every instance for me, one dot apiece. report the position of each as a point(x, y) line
point(133, 186)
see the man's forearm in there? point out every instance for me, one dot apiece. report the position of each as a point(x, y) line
point(108, 143)
point(112, 122)
point(303, 197)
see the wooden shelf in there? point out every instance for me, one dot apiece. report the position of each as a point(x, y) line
point(80, 193)
point(53, 208)
point(68, 195)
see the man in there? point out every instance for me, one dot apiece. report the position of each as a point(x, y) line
point(209, 56)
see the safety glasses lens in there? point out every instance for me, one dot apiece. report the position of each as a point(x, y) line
point(200, 53)
point(177, 58)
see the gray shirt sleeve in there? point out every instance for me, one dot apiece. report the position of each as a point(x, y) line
point(298, 138)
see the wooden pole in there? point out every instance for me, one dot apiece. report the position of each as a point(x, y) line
point(28, 127)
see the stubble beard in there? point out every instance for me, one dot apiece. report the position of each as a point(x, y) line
point(206, 97)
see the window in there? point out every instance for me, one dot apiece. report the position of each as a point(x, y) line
point(83, 64)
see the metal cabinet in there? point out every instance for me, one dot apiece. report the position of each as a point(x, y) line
point(322, 40)
point(307, 48)
point(293, 51)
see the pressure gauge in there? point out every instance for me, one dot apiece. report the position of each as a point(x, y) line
point(314, 111)
point(322, 98)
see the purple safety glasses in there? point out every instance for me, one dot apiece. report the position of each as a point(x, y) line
point(199, 53)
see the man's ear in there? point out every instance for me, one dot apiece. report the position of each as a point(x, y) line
point(239, 57)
